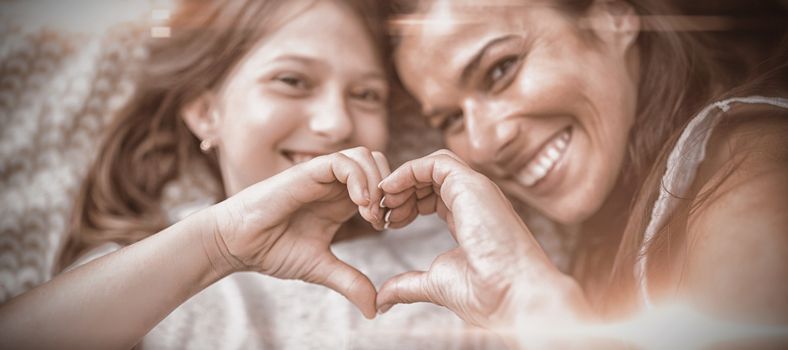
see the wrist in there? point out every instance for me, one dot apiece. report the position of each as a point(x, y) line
point(223, 262)
point(558, 315)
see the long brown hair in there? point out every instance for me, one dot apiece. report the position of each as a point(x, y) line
point(148, 145)
point(682, 72)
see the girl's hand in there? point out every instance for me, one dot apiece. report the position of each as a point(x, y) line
point(498, 276)
point(283, 226)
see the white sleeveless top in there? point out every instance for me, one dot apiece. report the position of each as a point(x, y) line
point(682, 165)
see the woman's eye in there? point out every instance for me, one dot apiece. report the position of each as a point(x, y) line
point(451, 122)
point(501, 70)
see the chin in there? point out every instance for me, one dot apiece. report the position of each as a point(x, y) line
point(571, 209)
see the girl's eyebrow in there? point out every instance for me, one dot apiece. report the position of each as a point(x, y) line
point(473, 63)
point(310, 61)
point(305, 60)
point(374, 75)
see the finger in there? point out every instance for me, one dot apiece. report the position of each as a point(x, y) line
point(404, 222)
point(413, 207)
point(367, 162)
point(427, 205)
point(424, 192)
point(445, 152)
point(339, 167)
point(432, 170)
point(422, 202)
point(348, 281)
point(403, 211)
point(385, 170)
point(405, 288)
point(393, 200)
point(383, 164)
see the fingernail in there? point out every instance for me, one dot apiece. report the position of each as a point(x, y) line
point(385, 308)
point(380, 185)
point(387, 217)
point(381, 202)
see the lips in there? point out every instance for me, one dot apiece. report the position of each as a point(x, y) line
point(545, 159)
point(298, 157)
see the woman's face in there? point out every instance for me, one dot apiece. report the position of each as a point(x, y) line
point(526, 97)
point(314, 86)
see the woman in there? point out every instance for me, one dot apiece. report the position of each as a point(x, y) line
point(578, 108)
point(272, 95)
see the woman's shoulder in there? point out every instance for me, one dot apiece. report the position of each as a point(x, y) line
point(746, 163)
point(738, 225)
point(749, 143)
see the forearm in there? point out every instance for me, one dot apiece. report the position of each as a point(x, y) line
point(112, 302)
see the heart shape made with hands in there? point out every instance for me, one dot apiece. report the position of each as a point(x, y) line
point(494, 245)
point(284, 226)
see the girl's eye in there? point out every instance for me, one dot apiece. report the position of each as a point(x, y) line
point(293, 81)
point(369, 96)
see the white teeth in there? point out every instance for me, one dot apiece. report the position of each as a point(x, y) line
point(298, 158)
point(553, 153)
point(538, 171)
point(527, 179)
point(544, 161)
point(561, 144)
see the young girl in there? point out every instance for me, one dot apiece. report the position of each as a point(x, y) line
point(273, 96)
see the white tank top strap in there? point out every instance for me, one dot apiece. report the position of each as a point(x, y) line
point(682, 164)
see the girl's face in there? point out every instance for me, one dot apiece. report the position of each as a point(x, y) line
point(526, 97)
point(314, 86)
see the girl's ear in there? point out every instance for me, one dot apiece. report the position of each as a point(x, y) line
point(616, 23)
point(201, 118)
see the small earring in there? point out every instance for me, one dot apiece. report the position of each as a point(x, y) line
point(205, 145)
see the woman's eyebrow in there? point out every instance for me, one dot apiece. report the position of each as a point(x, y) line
point(473, 64)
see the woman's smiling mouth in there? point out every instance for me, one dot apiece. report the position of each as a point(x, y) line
point(545, 159)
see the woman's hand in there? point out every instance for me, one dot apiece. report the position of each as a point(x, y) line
point(283, 226)
point(498, 277)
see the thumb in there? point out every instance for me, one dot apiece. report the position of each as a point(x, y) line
point(405, 288)
point(346, 280)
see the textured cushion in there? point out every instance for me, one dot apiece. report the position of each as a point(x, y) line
point(57, 92)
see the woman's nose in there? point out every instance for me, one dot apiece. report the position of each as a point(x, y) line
point(488, 135)
point(331, 119)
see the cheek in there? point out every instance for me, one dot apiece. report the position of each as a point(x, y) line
point(459, 144)
point(549, 86)
point(371, 131)
point(251, 130)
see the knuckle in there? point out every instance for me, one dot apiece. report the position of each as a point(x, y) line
point(339, 157)
point(360, 150)
point(378, 155)
point(442, 151)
